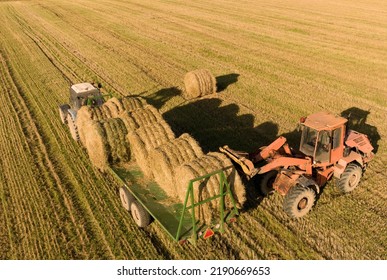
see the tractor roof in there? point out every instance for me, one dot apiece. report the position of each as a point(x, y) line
point(82, 87)
point(324, 120)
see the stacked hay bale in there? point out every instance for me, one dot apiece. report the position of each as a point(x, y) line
point(209, 187)
point(145, 139)
point(114, 106)
point(106, 143)
point(141, 117)
point(86, 114)
point(167, 157)
point(130, 103)
point(199, 83)
point(110, 109)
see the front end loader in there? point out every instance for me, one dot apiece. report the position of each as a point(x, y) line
point(327, 149)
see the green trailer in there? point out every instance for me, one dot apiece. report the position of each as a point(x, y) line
point(146, 200)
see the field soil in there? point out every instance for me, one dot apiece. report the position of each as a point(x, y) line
point(274, 62)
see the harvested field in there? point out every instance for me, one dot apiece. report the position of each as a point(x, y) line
point(273, 60)
point(147, 138)
point(167, 157)
point(199, 83)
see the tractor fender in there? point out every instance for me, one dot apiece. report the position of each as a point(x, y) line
point(340, 166)
point(308, 183)
point(73, 114)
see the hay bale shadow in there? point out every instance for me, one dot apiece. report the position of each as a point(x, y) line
point(214, 125)
point(222, 82)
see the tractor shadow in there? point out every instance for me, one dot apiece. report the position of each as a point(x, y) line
point(214, 125)
point(357, 120)
point(160, 97)
point(222, 82)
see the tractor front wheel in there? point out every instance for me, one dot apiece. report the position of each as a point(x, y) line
point(73, 128)
point(63, 113)
point(350, 179)
point(139, 214)
point(299, 201)
point(267, 181)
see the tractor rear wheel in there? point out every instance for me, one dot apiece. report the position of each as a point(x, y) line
point(73, 128)
point(350, 179)
point(63, 113)
point(298, 201)
point(126, 198)
point(267, 181)
point(139, 214)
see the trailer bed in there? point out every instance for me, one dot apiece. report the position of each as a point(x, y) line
point(165, 210)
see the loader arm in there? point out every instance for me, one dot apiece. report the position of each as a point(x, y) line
point(271, 150)
point(285, 162)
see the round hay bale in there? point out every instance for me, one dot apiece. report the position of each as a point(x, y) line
point(147, 138)
point(199, 83)
point(115, 106)
point(141, 117)
point(130, 103)
point(167, 157)
point(209, 187)
point(87, 113)
point(106, 142)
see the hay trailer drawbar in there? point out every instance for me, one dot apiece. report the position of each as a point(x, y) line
point(146, 200)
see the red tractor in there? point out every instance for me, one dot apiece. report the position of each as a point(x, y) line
point(327, 149)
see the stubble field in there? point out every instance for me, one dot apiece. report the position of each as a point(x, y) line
point(275, 61)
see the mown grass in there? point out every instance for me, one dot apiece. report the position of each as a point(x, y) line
point(290, 59)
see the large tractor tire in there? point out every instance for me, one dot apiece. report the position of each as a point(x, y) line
point(267, 181)
point(350, 179)
point(139, 214)
point(126, 198)
point(73, 128)
point(63, 112)
point(299, 201)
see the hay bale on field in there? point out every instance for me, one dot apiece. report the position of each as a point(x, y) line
point(147, 138)
point(131, 103)
point(167, 157)
point(86, 114)
point(141, 117)
point(199, 83)
point(106, 142)
point(209, 187)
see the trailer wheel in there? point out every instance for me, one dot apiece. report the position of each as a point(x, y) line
point(139, 214)
point(267, 181)
point(63, 113)
point(73, 128)
point(126, 198)
point(298, 201)
point(350, 179)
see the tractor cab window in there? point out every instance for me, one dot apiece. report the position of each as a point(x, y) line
point(308, 141)
point(315, 144)
point(323, 146)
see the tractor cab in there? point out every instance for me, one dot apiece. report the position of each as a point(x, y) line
point(85, 94)
point(323, 137)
